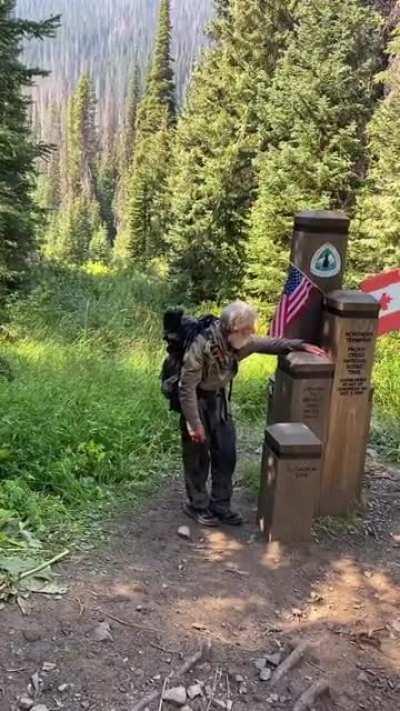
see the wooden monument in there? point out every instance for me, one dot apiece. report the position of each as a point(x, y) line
point(331, 397)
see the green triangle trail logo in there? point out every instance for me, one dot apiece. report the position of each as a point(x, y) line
point(326, 262)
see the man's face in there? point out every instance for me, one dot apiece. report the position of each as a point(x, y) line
point(239, 337)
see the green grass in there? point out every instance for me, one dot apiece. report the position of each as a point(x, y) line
point(83, 425)
point(83, 422)
point(386, 425)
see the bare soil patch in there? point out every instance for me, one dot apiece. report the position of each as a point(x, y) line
point(160, 595)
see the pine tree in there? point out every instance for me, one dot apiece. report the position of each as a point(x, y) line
point(315, 117)
point(99, 247)
point(82, 139)
point(213, 178)
point(146, 213)
point(49, 184)
point(127, 143)
point(18, 150)
point(107, 177)
point(126, 151)
point(375, 240)
point(71, 231)
point(158, 104)
point(87, 196)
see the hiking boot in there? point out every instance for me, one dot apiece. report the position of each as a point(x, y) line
point(202, 516)
point(229, 518)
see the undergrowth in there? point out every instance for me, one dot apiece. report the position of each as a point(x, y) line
point(386, 422)
point(83, 424)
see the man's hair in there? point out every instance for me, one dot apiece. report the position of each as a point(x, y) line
point(238, 315)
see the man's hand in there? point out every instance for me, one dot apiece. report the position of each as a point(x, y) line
point(198, 435)
point(309, 348)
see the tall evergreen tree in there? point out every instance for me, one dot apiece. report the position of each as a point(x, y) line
point(128, 136)
point(143, 238)
point(107, 177)
point(375, 240)
point(84, 209)
point(82, 139)
point(126, 150)
point(49, 184)
point(213, 178)
point(315, 115)
point(18, 150)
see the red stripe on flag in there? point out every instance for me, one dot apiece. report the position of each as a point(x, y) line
point(283, 316)
point(278, 323)
point(380, 281)
point(299, 300)
point(389, 323)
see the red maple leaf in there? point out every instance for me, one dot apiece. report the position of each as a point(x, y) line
point(385, 301)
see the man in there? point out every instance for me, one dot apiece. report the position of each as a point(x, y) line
point(208, 432)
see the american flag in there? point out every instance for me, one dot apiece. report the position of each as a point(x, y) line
point(295, 297)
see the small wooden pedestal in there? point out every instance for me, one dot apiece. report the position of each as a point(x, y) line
point(289, 482)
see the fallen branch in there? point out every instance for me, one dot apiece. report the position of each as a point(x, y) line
point(310, 696)
point(294, 658)
point(42, 566)
point(162, 693)
point(203, 653)
point(163, 649)
point(126, 623)
point(213, 690)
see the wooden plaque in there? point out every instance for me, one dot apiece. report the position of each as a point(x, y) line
point(349, 334)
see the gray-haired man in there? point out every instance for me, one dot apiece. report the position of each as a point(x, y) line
point(208, 432)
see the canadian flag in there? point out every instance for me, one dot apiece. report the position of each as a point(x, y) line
point(385, 288)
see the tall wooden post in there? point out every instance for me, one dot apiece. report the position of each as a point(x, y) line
point(319, 249)
point(350, 325)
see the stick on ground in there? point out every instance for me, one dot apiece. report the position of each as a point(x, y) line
point(203, 653)
point(42, 566)
point(134, 625)
point(310, 696)
point(294, 658)
point(162, 693)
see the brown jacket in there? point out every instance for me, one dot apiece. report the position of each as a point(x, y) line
point(211, 364)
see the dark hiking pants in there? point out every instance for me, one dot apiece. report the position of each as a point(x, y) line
point(217, 454)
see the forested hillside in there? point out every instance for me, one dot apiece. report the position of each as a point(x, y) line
point(106, 38)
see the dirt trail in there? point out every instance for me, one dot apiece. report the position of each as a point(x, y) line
point(340, 593)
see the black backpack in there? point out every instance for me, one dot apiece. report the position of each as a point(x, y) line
point(180, 331)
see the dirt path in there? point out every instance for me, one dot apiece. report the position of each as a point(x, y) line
point(340, 593)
